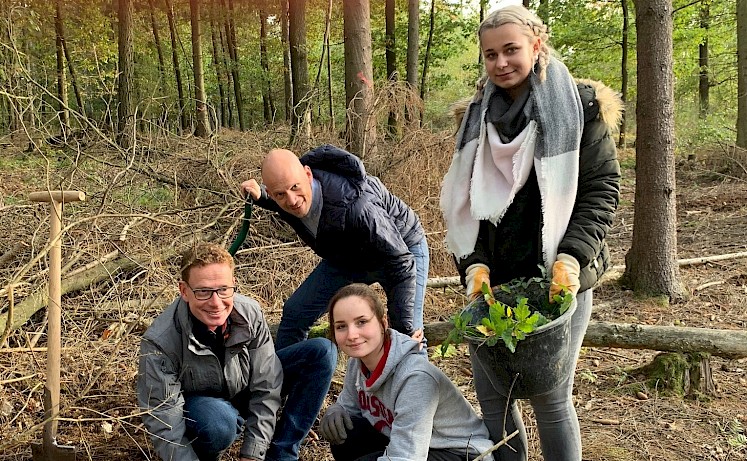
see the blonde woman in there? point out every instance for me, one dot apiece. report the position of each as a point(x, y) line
point(534, 183)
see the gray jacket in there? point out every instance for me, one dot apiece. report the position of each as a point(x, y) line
point(173, 362)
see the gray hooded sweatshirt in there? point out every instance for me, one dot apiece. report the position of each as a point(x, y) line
point(413, 403)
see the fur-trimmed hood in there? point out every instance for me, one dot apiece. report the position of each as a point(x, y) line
point(611, 105)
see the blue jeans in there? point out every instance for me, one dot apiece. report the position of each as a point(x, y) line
point(213, 424)
point(557, 422)
point(309, 301)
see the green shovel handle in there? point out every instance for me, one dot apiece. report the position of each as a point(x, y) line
point(248, 205)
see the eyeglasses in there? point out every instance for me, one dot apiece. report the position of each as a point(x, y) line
point(203, 294)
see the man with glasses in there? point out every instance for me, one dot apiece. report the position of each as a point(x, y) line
point(209, 371)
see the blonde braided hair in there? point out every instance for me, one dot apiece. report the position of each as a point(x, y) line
point(533, 28)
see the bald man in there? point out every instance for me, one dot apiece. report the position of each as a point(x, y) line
point(362, 232)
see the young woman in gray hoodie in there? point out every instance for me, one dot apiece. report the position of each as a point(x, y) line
point(394, 405)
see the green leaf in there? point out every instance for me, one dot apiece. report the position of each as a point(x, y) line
point(509, 340)
point(521, 312)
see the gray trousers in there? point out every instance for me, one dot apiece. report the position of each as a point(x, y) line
point(557, 422)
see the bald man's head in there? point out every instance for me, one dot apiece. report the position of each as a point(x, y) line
point(287, 182)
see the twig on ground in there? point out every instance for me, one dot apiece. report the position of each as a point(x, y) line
point(497, 445)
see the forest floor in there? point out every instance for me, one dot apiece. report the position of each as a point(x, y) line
point(141, 207)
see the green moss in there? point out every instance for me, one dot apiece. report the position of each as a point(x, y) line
point(319, 330)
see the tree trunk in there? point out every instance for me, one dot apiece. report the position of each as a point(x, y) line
point(742, 73)
point(287, 80)
point(651, 263)
point(427, 54)
point(267, 103)
point(325, 55)
point(391, 63)
point(329, 71)
point(62, 103)
point(126, 81)
point(413, 50)
point(202, 130)
point(361, 127)
point(703, 81)
point(235, 65)
point(227, 72)
point(624, 71)
point(300, 122)
point(218, 61)
point(175, 61)
point(159, 47)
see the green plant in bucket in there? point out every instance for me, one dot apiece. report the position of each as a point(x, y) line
point(511, 317)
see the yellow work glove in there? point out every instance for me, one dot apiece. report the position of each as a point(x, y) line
point(476, 275)
point(565, 273)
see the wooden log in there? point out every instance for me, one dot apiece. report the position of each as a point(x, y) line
point(731, 344)
point(38, 299)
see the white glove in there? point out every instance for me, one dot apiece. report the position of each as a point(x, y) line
point(475, 276)
point(334, 424)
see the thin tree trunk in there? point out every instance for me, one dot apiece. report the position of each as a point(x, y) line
point(300, 116)
point(361, 126)
point(624, 71)
point(427, 54)
point(329, 72)
point(742, 73)
point(703, 79)
point(218, 62)
point(267, 104)
point(651, 263)
point(63, 111)
point(175, 61)
point(228, 76)
point(126, 84)
point(324, 54)
point(287, 80)
point(413, 50)
point(73, 77)
point(391, 62)
point(159, 47)
point(202, 128)
point(235, 65)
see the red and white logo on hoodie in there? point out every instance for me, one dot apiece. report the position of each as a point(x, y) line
point(381, 417)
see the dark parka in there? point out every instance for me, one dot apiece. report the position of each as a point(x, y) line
point(173, 363)
point(362, 225)
point(594, 209)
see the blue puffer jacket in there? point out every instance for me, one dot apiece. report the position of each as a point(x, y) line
point(362, 226)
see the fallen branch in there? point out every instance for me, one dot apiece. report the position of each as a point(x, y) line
point(38, 299)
